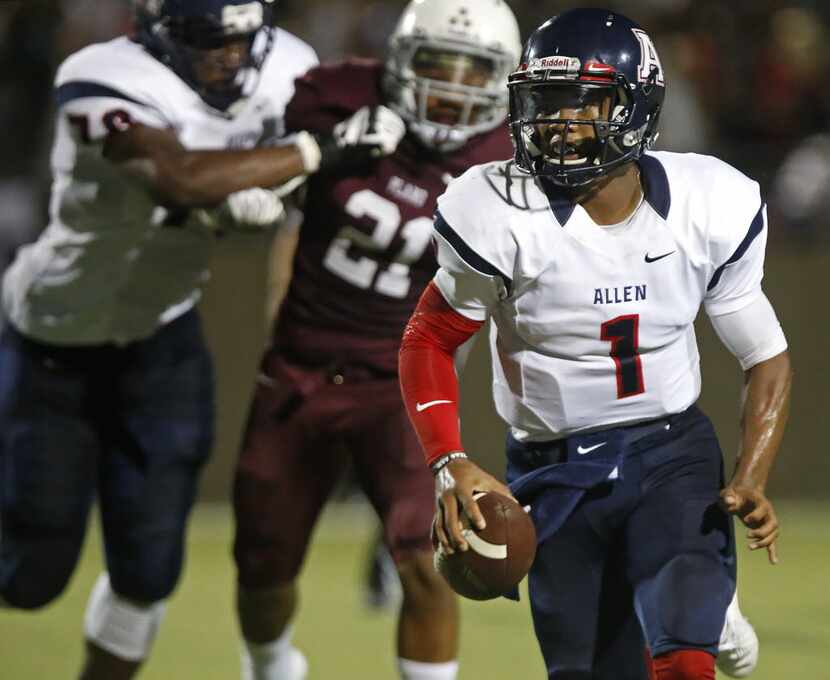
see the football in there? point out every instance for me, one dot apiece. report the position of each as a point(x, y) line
point(498, 557)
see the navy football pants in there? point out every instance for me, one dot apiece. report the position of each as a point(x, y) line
point(648, 558)
point(129, 424)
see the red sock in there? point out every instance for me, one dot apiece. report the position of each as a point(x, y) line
point(685, 664)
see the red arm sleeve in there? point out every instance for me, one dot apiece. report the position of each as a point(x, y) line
point(428, 381)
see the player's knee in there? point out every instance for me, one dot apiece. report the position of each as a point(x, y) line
point(121, 626)
point(685, 664)
point(685, 617)
point(40, 578)
point(149, 589)
point(31, 596)
point(148, 570)
point(267, 553)
point(422, 585)
point(264, 564)
point(152, 582)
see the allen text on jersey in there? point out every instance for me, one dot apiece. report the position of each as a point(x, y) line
point(611, 296)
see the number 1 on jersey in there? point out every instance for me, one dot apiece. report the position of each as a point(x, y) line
point(623, 332)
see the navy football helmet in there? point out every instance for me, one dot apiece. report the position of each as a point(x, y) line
point(586, 97)
point(216, 46)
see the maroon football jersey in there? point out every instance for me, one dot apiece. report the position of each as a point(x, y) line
point(364, 255)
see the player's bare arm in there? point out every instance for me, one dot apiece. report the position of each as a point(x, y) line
point(191, 179)
point(766, 405)
point(187, 178)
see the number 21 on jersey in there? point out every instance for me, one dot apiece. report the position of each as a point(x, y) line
point(366, 272)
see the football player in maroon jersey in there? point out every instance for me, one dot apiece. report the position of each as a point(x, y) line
point(329, 380)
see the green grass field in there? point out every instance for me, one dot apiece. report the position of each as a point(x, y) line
point(789, 605)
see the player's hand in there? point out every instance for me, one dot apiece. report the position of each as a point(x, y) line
point(253, 208)
point(455, 485)
point(370, 133)
point(756, 511)
point(377, 127)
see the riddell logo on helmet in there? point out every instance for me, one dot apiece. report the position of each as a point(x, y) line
point(555, 63)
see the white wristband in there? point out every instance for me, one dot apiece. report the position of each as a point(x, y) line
point(310, 151)
point(445, 460)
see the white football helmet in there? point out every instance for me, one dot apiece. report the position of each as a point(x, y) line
point(466, 36)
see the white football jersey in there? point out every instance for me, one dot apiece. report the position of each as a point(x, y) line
point(593, 326)
point(112, 266)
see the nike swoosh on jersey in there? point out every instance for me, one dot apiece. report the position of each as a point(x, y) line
point(423, 407)
point(582, 451)
point(659, 257)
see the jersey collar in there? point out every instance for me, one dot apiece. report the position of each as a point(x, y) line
point(655, 185)
point(655, 188)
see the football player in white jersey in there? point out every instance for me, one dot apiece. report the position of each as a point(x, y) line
point(591, 256)
point(107, 388)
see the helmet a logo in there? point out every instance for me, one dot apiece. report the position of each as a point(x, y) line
point(649, 61)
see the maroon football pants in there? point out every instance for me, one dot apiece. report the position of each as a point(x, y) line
point(302, 425)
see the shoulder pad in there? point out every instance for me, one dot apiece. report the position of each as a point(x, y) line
point(476, 216)
point(295, 48)
point(289, 59)
point(495, 186)
point(329, 93)
point(723, 202)
point(121, 69)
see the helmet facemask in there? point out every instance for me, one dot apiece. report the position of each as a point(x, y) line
point(446, 92)
point(573, 132)
point(621, 119)
point(220, 57)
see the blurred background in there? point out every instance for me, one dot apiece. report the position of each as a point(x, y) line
point(747, 80)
